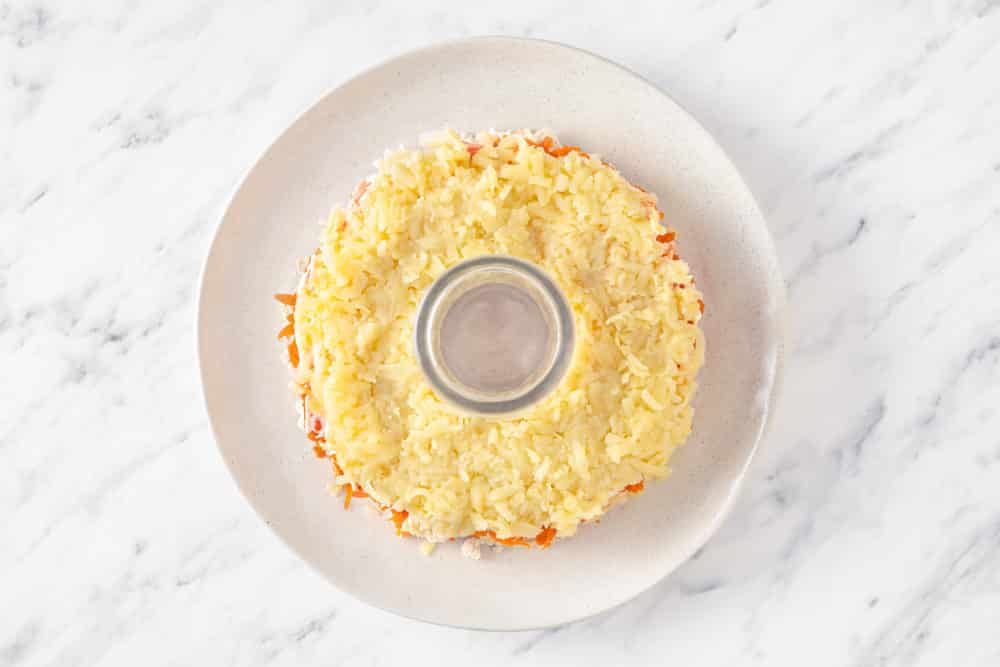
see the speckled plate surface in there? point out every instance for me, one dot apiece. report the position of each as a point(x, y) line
point(272, 221)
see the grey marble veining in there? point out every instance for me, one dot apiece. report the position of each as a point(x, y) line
point(869, 530)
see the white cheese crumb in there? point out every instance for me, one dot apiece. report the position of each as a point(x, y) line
point(471, 548)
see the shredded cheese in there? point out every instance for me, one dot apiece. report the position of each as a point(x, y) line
point(623, 405)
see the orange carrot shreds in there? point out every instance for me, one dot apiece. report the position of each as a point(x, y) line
point(547, 145)
point(565, 150)
point(287, 299)
point(315, 423)
point(319, 452)
point(637, 487)
point(661, 213)
point(286, 331)
point(666, 237)
point(293, 354)
point(359, 492)
point(348, 494)
point(336, 466)
point(398, 517)
point(473, 148)
point(536, 144)
point(701, 305)
point(544, 538)
point(506, 541)
point(359, 191)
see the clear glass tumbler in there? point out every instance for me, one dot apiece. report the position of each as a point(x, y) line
point(493, 335)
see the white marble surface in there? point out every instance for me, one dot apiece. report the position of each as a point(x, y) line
point(869, 531)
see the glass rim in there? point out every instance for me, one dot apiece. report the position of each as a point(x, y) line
point(424, 336)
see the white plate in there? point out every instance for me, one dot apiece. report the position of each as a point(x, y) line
point(272, 221)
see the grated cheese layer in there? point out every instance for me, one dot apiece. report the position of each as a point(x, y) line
point(624, 403)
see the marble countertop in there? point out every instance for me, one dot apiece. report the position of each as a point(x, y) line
point(869, 530)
